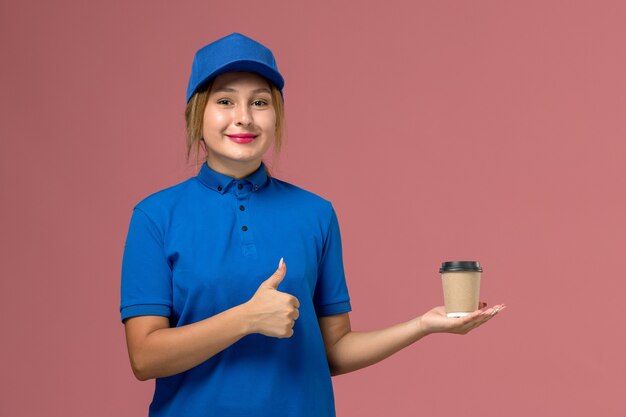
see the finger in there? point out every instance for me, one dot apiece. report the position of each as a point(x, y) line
point(295, 302)
point(479, 322)
point(480, 318)
point(277, 277)
point(482, 305)
point(472, 316)
point(498, 309)
point(475, 325)
point(493, 310)
point(484, 318)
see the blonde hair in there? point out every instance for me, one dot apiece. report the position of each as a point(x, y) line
point(194, 116)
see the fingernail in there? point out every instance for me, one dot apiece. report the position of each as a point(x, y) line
point(280, 263)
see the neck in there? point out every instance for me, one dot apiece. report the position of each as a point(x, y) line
point(238, 171)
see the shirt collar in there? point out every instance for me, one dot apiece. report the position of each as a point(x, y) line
point(222, 183)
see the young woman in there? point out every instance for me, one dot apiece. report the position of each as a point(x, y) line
point(207, 311)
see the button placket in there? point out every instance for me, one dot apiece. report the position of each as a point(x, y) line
point(243, 195)
point(245, 229)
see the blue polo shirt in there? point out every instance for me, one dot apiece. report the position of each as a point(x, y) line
point(205, 245)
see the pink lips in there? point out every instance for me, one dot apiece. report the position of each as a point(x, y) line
point(242, 137)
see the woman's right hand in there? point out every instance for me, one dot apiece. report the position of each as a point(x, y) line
point(272, 312)
point(157, 350)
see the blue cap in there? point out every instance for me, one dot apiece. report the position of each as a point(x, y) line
point(234, 52)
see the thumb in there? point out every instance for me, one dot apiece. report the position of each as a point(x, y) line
point(277, 277)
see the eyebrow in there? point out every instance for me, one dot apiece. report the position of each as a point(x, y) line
point(232, 90)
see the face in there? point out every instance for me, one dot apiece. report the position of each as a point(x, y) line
point(239, 123)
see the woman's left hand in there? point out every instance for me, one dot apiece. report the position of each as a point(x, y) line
point(436, 320)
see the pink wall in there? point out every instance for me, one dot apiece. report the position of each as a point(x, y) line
point(440, 130)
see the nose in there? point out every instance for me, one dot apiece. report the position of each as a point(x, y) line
point(243, 116)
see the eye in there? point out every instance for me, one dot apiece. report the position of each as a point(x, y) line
point(259, 103)
point(224, 101)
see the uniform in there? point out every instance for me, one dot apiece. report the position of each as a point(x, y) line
point(205, 245)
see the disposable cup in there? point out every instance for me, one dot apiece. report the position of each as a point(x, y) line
point(461, 286)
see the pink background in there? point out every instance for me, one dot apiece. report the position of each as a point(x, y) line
point(489, 130)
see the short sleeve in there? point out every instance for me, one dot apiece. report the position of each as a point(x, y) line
point(146, 288)
point(331, 292)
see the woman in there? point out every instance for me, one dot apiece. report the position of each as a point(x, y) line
point(206, 311)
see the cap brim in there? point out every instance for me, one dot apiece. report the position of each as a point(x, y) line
point(247, 66)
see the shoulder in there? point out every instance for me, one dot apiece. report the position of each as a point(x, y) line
point(164, 201)
point(306, 206)
point(302, 197)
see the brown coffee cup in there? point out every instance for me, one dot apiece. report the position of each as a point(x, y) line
point(461, 286)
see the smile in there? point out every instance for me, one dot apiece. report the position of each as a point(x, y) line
point(242, 137)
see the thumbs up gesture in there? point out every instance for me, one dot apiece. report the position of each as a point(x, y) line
point(272, 312)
